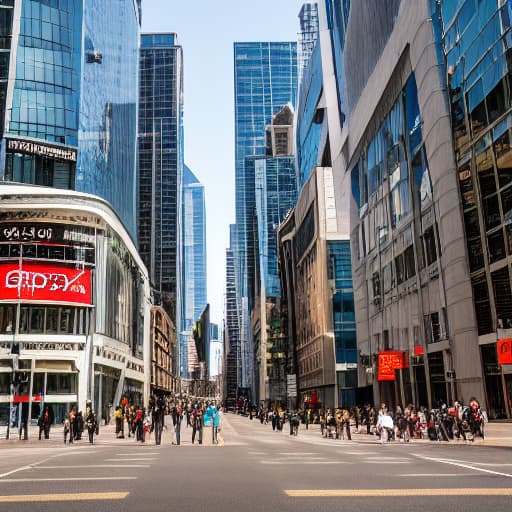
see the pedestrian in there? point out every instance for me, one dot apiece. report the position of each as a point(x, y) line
point(72, 424)
point(119, 422)
point(197, 425)
point(177, 416)
point(91, 423)
point(158, 419)
point(139, 424)
point(306, 418)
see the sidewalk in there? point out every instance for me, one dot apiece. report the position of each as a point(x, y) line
point(106, 436)
point(497, 434)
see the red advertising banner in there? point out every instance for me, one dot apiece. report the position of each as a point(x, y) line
point(38, 281)
point(388, 362)
point(504, 348)
point(24, 399)
point(418, 350)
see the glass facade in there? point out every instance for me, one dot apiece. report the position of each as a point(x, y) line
point(107, 138)
point(161, 165)
point(476, 42)
point(194, 260)
point(308, 34)
point(265, 80)
point(276, 194)
point(70, 91)
point(311, 122)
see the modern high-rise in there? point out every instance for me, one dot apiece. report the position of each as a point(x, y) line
point(194, 260)
point(161, 166)
point(68, 98)
point(265, 80)
point(276, 187)
point(308, 34)
point(232, 362)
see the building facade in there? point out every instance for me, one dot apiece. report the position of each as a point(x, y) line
point(232, 355)
point(416, 286)
point(194, 260)
point(160, 146)
point(265, 80)
point(308, 34)
point(55, 131)
point(74, 306)
point(275, 180)
point(164, 352)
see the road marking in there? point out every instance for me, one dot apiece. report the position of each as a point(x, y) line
point(386, 462)
point(22, 468)
point(84, 496)
point(297, 454)
point(358, 453)
point(141, 459)
point(309, 463)
point(368, 493)
point(86, 466)
point(461, 465)
point(435, 474)
point(70, 479)
point(131, 454)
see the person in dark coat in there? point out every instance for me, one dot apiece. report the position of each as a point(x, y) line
point(91, 423)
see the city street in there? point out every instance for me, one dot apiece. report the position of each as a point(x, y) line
point(253, 468)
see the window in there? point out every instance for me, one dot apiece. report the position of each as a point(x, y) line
point(37, 320)
point(409, 261)
point(502, 297)
point(436, 327)
point(496, 246)
point(7, 319)
point(376, 285)
point(52, 320)
point(430, 246)
point(482, 304)
point(399, 269)
point(61, 383)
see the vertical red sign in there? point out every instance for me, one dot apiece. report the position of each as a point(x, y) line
point(504, 348)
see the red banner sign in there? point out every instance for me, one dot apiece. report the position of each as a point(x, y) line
point(389, 361)
point(37, 281)
point(418, 350)
point(24, 399)
point(504, 348)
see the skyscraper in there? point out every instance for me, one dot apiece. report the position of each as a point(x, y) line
point(194, 260)
point(161, 166)
point(308, 34)
point(70, 99)
point(276, 193)
point(265, 80)
point(232, 362)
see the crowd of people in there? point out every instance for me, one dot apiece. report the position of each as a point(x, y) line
point(442, 423)
point(196, 414)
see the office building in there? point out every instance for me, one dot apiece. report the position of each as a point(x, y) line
point(160, 147)
point(74, 306)
point(265, 80)
point(69, 113)
point(308, 34)
point(194, 260)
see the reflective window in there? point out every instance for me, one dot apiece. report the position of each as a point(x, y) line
point(502, 297)
point(482, 304)
point(7, 318)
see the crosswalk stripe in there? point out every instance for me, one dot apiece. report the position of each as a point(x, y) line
point(87, 466)
point(68, 479)
point(84, 496)
point(368, 493)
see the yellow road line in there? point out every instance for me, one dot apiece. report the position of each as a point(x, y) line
point(84, 496)
point(368, 493)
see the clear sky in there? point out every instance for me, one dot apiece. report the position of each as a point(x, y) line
point(207, 29)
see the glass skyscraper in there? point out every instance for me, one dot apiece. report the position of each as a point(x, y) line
point(71, 102)
point(194, 260)
point(265, 80)
point(308, 34)
point(161, 166)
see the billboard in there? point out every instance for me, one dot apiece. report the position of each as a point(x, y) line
point(389, 361)
point(44, 282)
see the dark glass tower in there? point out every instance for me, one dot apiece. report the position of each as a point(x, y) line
point(70, 100)
point(161, 166)
point(265, 80)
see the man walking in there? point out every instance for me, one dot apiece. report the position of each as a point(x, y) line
point(177, 416)
point(197, 424)
point(158, 419)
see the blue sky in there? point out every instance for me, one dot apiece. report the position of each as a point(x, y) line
point(207, 29)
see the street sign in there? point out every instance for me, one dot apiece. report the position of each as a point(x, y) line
point(291, 385)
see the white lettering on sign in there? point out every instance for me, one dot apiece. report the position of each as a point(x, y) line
point(27, 233)
point(33, 148)
point(32, 281)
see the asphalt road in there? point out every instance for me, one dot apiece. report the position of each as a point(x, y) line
point(255, 469)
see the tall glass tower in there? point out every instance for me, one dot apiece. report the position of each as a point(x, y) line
point(68, 97)
point(194, 260)
point(161, 166)
point(265, 80)
point(308, 34)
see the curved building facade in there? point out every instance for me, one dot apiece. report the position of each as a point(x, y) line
point(74, 305)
